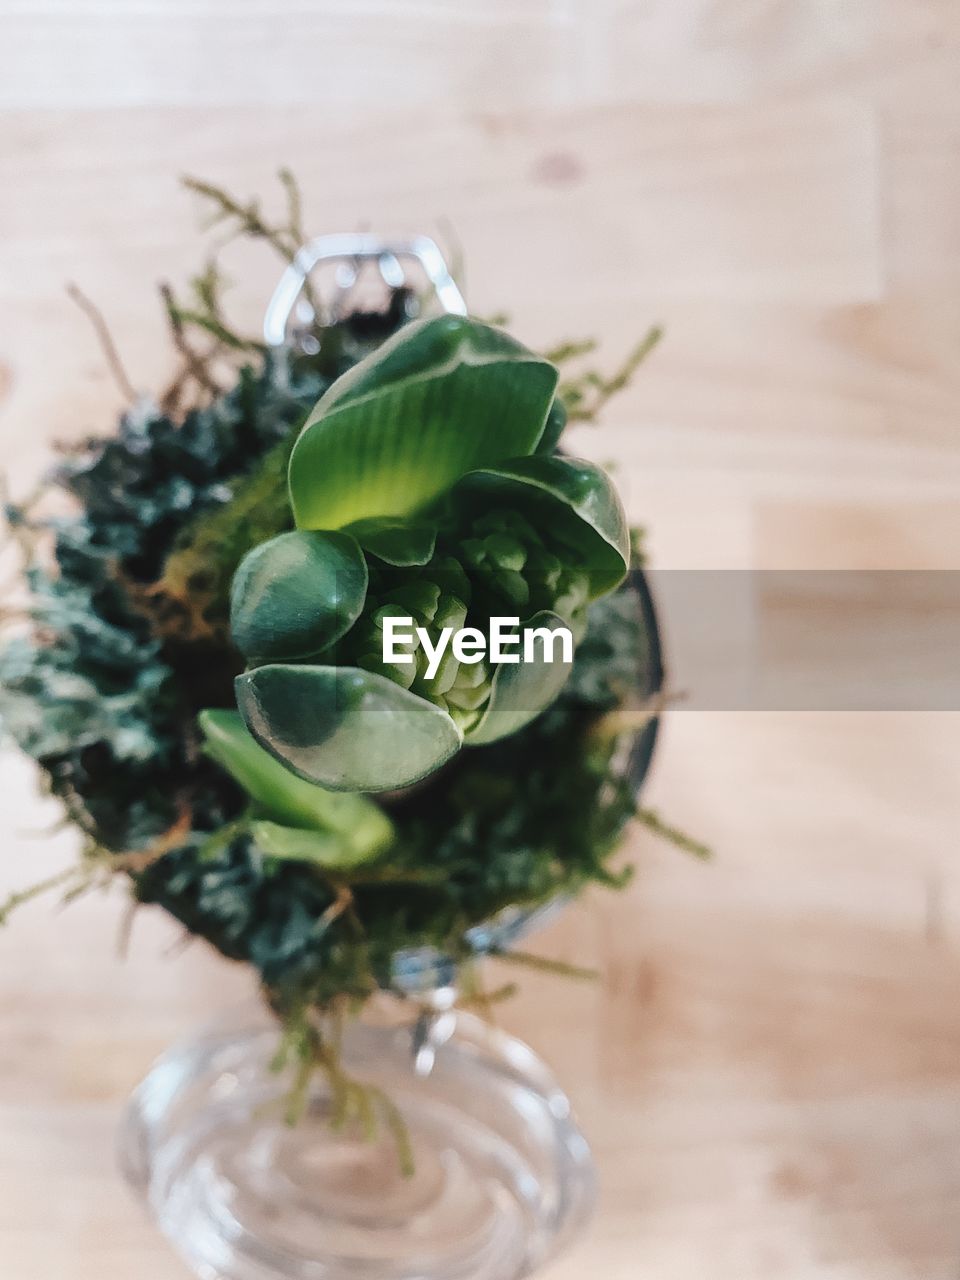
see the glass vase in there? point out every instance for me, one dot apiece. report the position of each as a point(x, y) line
point(466, 1164)
point(485, 1176)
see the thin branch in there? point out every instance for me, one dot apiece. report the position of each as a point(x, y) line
point(171, 839)
point(126, 928)
point(22, 896)
point(297, 232)
point(218, 329)
point(653, 822)
point(195, 363)
point(558, 967)
point(105, 338)
point(207, 288)
point(342, 903)
point(570, 350)
point(587, 394)
point(294, 204)
point(248, 217)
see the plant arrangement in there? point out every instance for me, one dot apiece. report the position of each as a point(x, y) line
point(199, 669)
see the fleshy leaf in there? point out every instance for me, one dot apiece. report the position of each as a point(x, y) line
point(331, 850)
point(554, 429)
point(573, 498)
point(344, 728)
point(521, 690)
point(442, 397)
point(398, 542)
point(281, 796)
point(296, 594)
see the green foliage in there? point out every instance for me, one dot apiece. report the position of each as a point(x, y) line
point(105, 697)
point(294, 596)
point(520, 691)
point(585, 394)
point(438, 426)
point(572, 503)
point(351, 729)
point(126, 639)
point(518, 821)
point(485, 563)
point(292, 818)
point(442, 397)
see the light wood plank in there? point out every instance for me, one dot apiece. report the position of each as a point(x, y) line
point(769, 1066)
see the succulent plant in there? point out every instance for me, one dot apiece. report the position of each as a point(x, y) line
point(423, 486)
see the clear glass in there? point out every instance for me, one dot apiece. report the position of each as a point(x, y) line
point(502, 1175)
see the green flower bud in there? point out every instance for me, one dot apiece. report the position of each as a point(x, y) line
point(506, 551)
point(450, 576)
point(451, 612)
point(544, 569)
point(493, 564)
point(419, 598)
point(470, 699)
point(448, 522)
point(400, 673)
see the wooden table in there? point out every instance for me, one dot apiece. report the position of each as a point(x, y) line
point(770, 1069)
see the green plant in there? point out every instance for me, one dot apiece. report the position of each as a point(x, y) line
point(418, 491)
point(117, 675)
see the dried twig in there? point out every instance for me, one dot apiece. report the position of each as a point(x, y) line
point(126, 928)
point(342, 902)
point(171, 839)
point(107, 344)
point(22, 896)
point(294, 206)
point(249, 220)
point(559, 967)
point(286, 240)
point(194, 363)
point(587, 394)
point(653, 822)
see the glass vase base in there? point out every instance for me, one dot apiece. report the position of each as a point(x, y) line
point(466, 1165)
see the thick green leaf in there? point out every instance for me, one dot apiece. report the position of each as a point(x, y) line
point(294, 595)
point(327, 849)
point(427, 348)
point(572, 498)
point(284, 798)
point(556, 424)
point(398, 542)
point(521, 690)
point(345, 728)
point(441, 398)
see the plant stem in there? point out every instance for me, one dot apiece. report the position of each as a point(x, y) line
point(558, 967)
point(107, 344)
point(22, 896)
point(653, 822)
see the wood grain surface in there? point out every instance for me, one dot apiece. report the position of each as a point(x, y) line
point(770, 1067)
